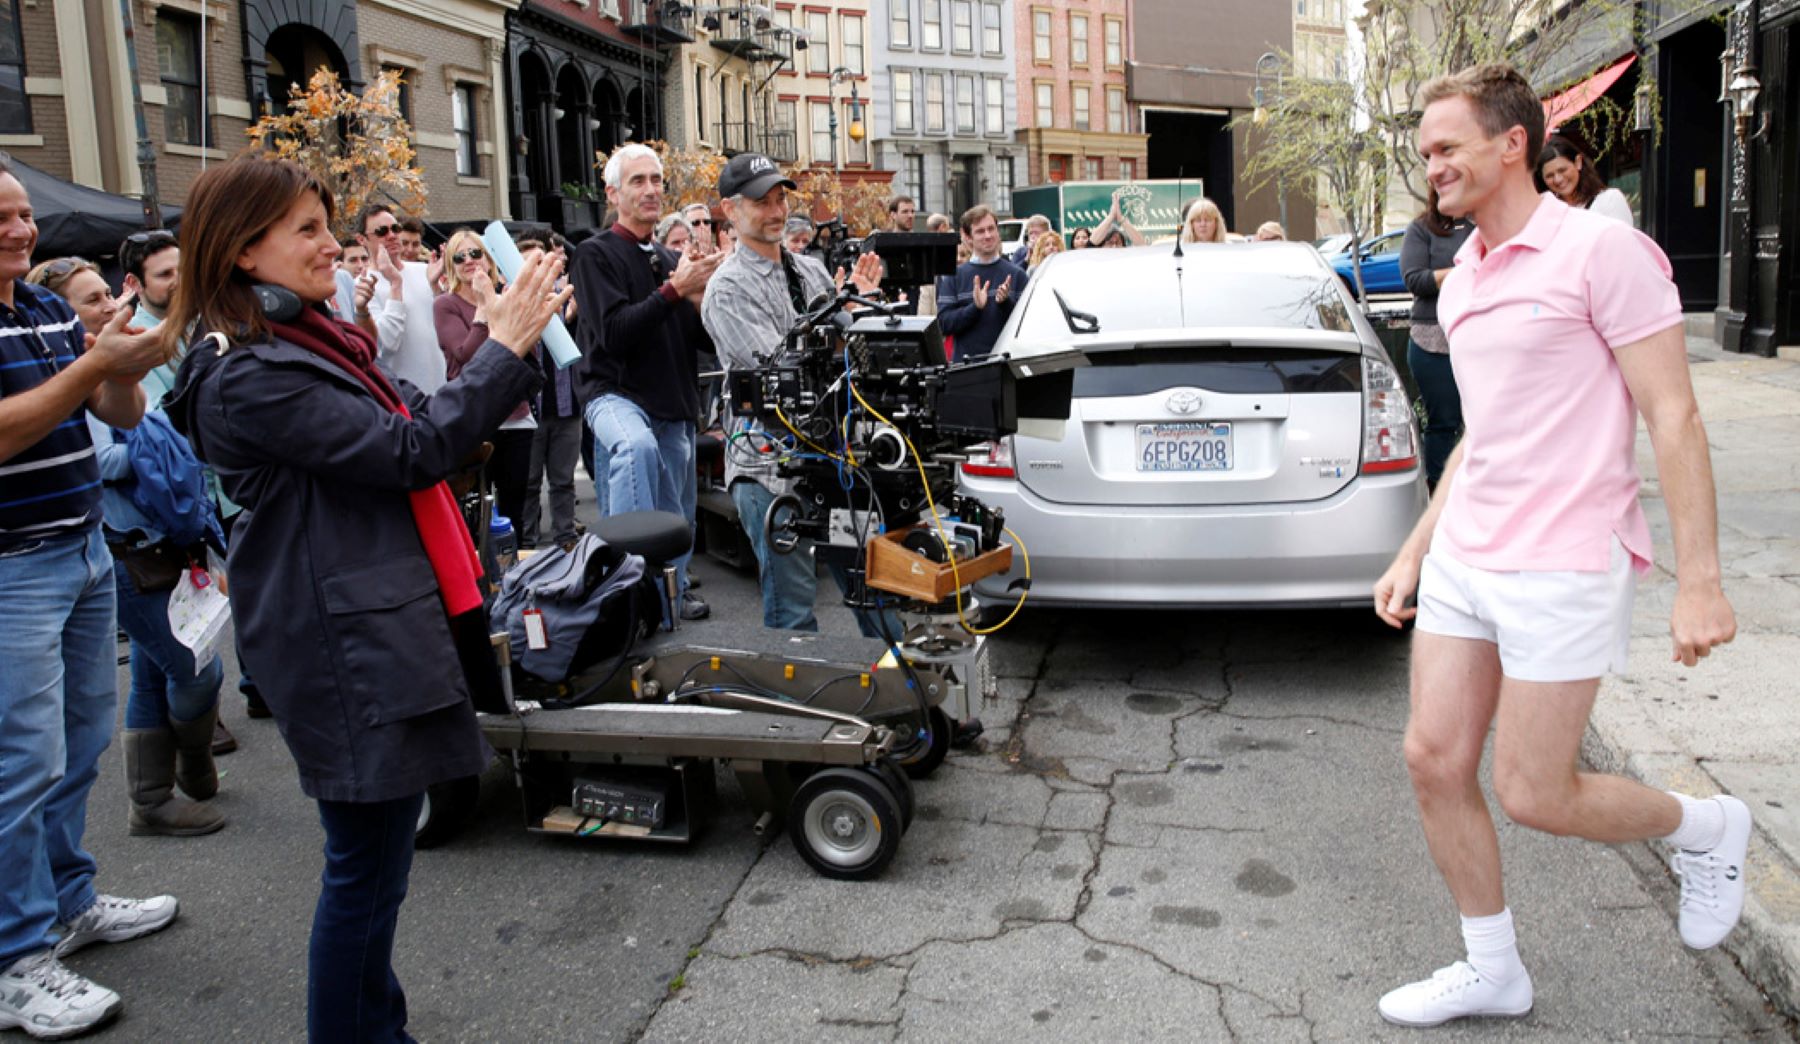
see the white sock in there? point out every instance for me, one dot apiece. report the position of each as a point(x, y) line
point(1493, 949)
point(1702, 824)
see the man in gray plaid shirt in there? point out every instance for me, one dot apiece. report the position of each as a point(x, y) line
point(751, 303)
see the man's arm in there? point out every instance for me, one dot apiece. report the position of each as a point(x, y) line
point(1656, 371)
point(959, 314)
point(388, 310)
point(736, 322)
point(1401, 581)
point(120, 405)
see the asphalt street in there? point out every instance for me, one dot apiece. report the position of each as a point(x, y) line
point(1186, 826)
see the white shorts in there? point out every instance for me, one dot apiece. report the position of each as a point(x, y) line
point(1551, 626)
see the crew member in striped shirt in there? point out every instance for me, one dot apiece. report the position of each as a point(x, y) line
point(59, 691)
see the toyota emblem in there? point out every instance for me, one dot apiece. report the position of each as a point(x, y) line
point(1184, 402)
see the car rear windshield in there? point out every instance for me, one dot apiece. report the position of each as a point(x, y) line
point(1273, 300)
point(1227, 369)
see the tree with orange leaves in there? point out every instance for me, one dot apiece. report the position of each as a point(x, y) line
point(692, 176)
point(360, 148)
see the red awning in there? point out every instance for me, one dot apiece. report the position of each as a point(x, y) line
point(1569, 103)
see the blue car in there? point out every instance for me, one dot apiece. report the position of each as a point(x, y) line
point(1380, 265)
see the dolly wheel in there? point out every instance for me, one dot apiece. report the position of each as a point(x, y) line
point(896, 779)
point(845, 823)
point(446, 809)
point(927, 753)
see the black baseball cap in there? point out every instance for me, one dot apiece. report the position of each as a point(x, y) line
point(751, 174)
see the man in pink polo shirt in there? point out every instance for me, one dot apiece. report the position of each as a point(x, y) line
point(1564, 328)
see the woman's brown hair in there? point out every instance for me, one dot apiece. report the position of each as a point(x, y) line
point(1588, 183)
point(229, 209)
point(1436, 221)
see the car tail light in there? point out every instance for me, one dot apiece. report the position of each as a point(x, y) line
point(1390, 442)
point(991, 460)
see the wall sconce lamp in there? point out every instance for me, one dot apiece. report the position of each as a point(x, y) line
point(1744, 90)
point(1643, 106)
point(556, 113)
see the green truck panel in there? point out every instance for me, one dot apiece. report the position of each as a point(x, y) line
point(1153, 206)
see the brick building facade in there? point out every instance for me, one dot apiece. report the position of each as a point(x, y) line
point(1075, 117)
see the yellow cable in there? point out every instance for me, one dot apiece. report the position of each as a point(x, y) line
point(810, 443)
point(943, 537)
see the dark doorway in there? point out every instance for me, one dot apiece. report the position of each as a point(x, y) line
point(574, 161)
point(538, 161)
point(965, 182)
point(1195, 146)
point(1684, 205)
point(609, 117)
point(294, 53)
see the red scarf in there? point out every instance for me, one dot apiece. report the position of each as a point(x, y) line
point(440, 522)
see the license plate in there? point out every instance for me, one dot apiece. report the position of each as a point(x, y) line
point(1184, 446)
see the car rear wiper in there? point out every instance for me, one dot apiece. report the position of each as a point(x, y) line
point(1079, 322)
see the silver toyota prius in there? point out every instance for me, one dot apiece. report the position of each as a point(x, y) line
point(1245, 441)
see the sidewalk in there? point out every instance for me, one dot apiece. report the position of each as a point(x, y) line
point(1731, 724)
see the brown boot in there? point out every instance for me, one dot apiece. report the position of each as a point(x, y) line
point(150, 783)
point(195, 772)
point(223, 741)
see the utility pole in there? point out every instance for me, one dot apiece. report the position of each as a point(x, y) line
point(146, 149)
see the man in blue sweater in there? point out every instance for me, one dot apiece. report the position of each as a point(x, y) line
point(983, 291)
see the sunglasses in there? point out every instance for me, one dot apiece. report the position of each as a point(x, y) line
point(160, 235)
point(471, 254)
point(385, 231)
point(700, 221)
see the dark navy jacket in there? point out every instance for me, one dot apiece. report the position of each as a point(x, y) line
point(335, 601)
point(977, 330)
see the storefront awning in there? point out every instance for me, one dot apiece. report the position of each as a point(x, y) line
point(1569, 104)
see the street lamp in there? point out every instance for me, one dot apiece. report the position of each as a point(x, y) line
point(1260, 116)
point(857, 131)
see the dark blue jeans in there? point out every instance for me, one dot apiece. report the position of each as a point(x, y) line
point(164, 685)
point(352, 994)
point(1443, 406)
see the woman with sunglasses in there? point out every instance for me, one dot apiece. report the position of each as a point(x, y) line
point(173, 705)
point(355, 582)
point(460, 314)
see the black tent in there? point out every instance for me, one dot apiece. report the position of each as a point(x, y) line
point(75, 219)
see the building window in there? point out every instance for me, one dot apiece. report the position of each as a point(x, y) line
point(1090, 169)
point(903, 100)
point(1059, 169)
point(965, 105)
point(787, 119)
point(15, 107)
point(1115, 111)
point(700, 102)
point(1003, 184)
point(1128, 170)
point(853, 44)
point(900, 23)
point(818, 45)
point(1078, 97)
point(934, 103)
point(1115, 43)
point(1078, 39)
point(462, 123)
point(992, 42)
point(931, 24)
point(962, 26)
point(178, 58)
point(915, 180)
point(402, 76)
point(996, 104)
point(1040, 36)
point(821, 132)
point(1046, 105)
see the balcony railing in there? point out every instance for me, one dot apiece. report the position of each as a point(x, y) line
point(777, 143)
point(664, 23)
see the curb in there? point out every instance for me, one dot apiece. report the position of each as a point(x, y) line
point(1766, 942)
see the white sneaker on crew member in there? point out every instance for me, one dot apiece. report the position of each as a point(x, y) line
point(112, 919)
point(1456, 992)
point(50, 1002)
point(1712, 882)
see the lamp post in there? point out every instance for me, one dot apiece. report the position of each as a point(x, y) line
point(1261, 116)
point(856, 129)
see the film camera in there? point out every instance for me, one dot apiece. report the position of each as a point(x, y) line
point(910, 259)
point(868, 418)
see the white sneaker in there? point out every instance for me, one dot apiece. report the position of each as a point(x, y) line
point(1712, 882)
point(112, 919)
point(50, 1002)
point(1453, 993)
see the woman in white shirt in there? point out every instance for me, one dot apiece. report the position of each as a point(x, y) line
point(1568, 173)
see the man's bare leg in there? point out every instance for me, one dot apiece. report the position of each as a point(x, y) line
point(1538, 778)
point(1455, 690)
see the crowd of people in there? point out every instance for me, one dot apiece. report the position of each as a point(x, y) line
point(267, 395)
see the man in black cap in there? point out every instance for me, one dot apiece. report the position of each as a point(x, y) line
point(751, 303)
point(639, 338)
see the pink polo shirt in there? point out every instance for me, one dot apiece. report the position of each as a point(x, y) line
point(1548, 475)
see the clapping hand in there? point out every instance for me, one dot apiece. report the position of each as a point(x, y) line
point(866, 276)
point(388, 268)
point(482, 286)
point(434, 271)
point(1004, 292)
point(517, 317)
point(981, 292)
point(127, 352)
